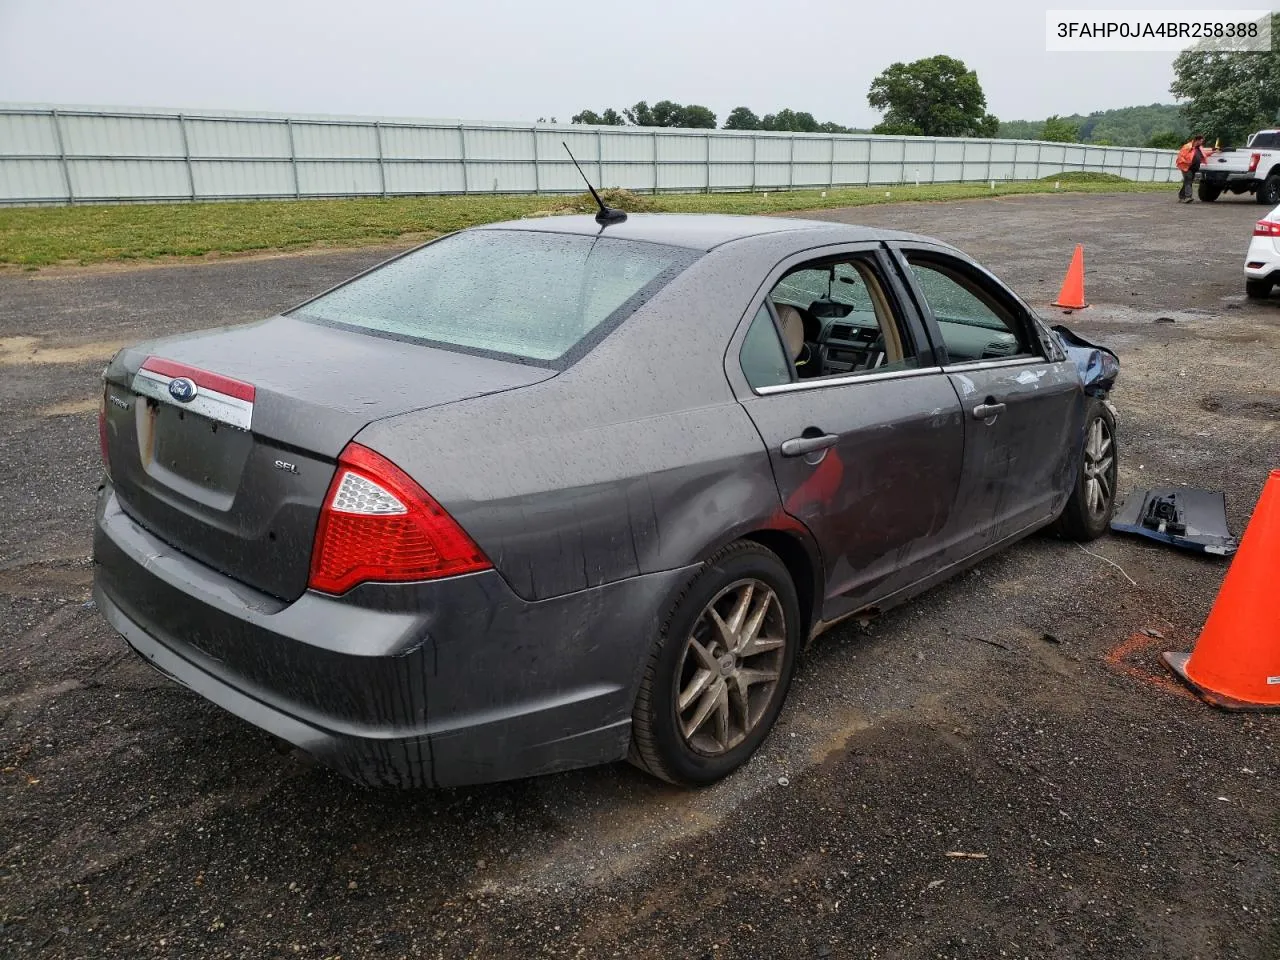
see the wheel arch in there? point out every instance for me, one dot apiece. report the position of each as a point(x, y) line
point(799, 554)
point(794, 545)
point(1260, 184)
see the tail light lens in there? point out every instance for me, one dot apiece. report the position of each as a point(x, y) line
point(378, 524)
point(102, 432)
point(1254, 160)
point(1266, 228)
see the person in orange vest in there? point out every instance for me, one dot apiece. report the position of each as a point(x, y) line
point(1192, 154)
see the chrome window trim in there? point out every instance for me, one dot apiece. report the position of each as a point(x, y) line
point(845, 380)
point(993, 364)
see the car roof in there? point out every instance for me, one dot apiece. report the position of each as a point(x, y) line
point(697, 231)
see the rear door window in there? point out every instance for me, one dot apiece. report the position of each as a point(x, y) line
point(839, 318)
point(536, 297)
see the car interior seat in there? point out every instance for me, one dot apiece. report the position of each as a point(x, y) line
point(792, 324)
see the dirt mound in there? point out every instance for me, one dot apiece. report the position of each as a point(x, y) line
point(585, 203)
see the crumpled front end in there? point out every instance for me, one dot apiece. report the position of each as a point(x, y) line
point(1099, 367)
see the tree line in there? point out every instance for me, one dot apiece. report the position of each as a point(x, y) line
point(1227, 96)
point(1156, 125)
point(935, 97)
point(667, 113)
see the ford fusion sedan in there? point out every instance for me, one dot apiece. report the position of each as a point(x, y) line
point(553, 493)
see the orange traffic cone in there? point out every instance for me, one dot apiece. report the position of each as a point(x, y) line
point(1236, 662)
point(1072, 293)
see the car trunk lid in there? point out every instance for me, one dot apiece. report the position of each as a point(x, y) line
point(223, 443)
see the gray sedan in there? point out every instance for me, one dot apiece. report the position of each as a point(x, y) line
point(553, 493)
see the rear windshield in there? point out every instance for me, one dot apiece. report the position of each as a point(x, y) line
point(543, 298)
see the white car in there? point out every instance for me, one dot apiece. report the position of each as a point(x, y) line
point(1262, 262)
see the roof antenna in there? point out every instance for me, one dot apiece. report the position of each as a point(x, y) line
point(607, 215)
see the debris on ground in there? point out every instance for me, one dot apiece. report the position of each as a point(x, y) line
point(1098, 556)
point(1182, 517)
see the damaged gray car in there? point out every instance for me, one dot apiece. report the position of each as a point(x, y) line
point(559, 492)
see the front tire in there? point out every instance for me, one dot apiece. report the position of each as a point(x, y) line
point(1088, 512)
point(1258, 289)
point(719, 670)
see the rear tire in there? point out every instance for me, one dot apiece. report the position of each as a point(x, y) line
point(732, 681)
point(1258, 289)
point(1269, 191)
point(1209, 192)
point(1087, 515)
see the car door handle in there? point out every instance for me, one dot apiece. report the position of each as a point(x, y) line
point(799, 446)
point(985, 411)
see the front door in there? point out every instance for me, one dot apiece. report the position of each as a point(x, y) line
point(1018, 404)
point(864, 430)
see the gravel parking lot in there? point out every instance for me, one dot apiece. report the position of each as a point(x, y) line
point(1017, 715)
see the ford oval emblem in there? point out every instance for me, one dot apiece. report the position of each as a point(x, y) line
point(182, 389)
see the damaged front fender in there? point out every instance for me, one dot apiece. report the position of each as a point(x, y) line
point(1098, 366)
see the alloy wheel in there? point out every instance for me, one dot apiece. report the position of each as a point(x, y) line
point(1099, 467)
point(730, 666)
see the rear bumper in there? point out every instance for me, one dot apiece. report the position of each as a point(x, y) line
point(430, 684)
point(1228, 178)
point(1263, 259)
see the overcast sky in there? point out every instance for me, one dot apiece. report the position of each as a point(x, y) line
point(492, 60)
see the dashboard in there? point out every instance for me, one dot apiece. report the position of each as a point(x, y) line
point(968, 341)
point(851, 343)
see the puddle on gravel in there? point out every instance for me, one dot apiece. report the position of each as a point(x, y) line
point(69, 408)
point(30, 351)
point(1258, 405)
point(1118, 313)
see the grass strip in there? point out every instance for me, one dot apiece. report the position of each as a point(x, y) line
point(33, 237)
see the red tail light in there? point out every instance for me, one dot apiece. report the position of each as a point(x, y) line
point(1254, 160)
point(1266, 228)
point(377, 524)
point(102, 431)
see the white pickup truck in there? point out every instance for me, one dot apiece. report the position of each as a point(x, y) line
point(1254, 169)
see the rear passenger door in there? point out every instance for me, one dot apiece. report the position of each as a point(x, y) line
point(1020, 403)
point(863, 429)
